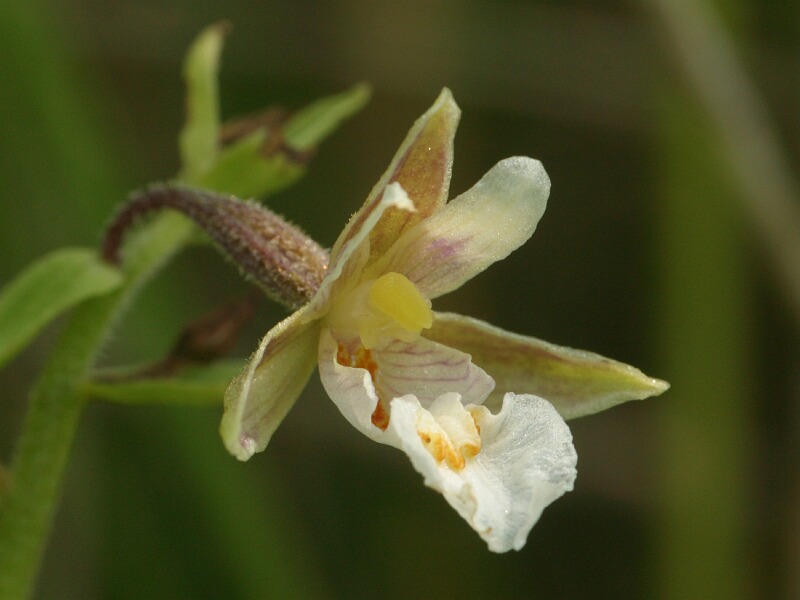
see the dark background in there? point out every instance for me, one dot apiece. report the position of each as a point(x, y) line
point(648, 253)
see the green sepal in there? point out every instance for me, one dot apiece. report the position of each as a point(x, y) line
point(575, 382)
point(192, 386)
point(47, 288)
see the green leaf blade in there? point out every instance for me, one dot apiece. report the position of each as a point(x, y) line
point(46, 289)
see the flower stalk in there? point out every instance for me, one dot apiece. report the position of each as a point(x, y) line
point(233, 164)
point(44, 444)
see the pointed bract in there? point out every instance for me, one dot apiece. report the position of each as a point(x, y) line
point(309, 126)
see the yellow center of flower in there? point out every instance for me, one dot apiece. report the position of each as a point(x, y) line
point(399, 299)
point(390, 307)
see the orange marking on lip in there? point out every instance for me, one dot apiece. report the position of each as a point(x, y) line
point(442, 450)
point(446, 450)
point(380, 418)
point(361, 358)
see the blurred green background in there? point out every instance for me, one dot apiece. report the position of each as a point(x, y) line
point(651, 252)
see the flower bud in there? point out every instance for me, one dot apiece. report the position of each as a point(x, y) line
point(279, 257)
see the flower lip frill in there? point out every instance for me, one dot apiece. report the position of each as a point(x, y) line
point(377, 341)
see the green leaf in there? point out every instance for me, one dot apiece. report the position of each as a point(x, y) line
point(242, 169)
point(310, 126)
point(196, 385)
point(46, 289)
point(198, 141)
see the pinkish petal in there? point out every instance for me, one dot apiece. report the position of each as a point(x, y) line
point(427, 370)
point(480, 227)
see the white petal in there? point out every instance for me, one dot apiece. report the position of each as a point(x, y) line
point(526, 462)
point(471, 232)
point(260, 397)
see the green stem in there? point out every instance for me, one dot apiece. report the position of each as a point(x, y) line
point(27, 509)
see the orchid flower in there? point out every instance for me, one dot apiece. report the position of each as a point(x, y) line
point(423, 381)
